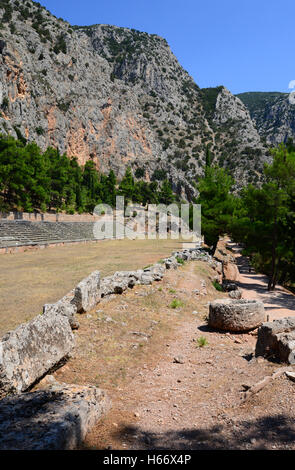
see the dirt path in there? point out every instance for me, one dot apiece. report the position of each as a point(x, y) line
point(279, 303)
point(190, 397)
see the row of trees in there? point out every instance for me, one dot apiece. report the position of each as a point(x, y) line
point(262, 218)
point(34, 180)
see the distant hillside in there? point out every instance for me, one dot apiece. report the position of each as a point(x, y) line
point(273, 115)
point(119, 97)
point(256, 101)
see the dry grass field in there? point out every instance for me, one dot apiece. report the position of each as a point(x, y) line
point(30, 279)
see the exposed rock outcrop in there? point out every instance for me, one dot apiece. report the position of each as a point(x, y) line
point(119, 97)
point(273, 115)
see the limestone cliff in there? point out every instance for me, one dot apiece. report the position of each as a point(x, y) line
point(119, 97)
point(273, 114)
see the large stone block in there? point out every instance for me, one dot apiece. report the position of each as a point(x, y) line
point(235, 294)
point(171, 263)
point(87, 293)
point(277, 339)
point(63, 307)
point(107, 286)
point(236, 315)
point(56, 418)
point(156, 272)
point(119, 282)
point(31, 350)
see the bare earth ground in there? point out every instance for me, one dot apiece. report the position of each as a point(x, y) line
point(128, 347)
point(30, 279)
point(166, 390)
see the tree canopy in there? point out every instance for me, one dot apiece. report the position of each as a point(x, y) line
point(34, 180)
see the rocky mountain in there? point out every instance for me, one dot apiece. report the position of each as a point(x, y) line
point(119, 97)
point(273, 114)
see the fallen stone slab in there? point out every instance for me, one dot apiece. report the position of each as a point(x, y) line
point(147, 279)
point(277, 339)
point(156, 271)
point(63, 307)
point(120, 282)
point(106, 286)
point(87, 293)
point(185, 255)
point(171, 263)
point(55, 418)
point(235, 294)
point(133, 277)
point(236, 315)
point(31, 350)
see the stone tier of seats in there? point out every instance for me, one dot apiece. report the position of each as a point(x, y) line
point(21, 233)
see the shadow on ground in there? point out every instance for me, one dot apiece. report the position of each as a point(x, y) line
point(262, 433)
point(277, 298)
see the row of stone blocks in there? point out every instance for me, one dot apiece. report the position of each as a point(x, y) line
point(30, 351)
point(275, 339)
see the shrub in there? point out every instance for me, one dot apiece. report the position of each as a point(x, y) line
point(6, 18)
point(5, 103)
point(64, 106)
point(12, 28)
point(40, 130)
point(176, 304)
point(217, 286)
point(19, 135)
point(159, 175)
point(179, 260)
point(60, 45)
point(139, 172)
point(202, 341)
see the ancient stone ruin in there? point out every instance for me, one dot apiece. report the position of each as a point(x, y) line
point(236, 315)
point(277, 340)
point(31, 350)
point(60, 415)
point(55, 418)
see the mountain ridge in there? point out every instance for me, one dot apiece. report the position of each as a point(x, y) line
point(273, 114)
point(119, 97)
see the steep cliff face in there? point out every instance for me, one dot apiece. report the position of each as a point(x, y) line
point(120, 97)
point(273, 114)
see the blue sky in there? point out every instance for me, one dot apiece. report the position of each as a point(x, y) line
point(245, 45)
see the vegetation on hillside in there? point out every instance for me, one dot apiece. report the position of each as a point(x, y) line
point(262, 218)
point(34, 180)
point(259, 100)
